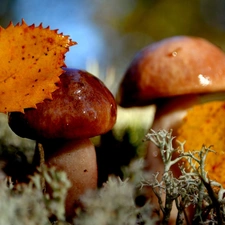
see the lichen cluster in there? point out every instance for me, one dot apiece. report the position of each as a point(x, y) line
point(114, 204)
point(118, 200)
point(28, 204)
point(193, 187)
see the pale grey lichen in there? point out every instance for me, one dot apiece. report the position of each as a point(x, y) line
point(26, 204)
point(114, 204)
point(58, 183)
point(23, 208)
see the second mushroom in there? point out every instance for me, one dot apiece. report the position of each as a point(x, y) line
point(180, 74)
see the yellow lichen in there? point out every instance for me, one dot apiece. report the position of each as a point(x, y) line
point(204, 124)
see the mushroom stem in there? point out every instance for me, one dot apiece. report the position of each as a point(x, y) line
point(78, 159)
point(169, 115)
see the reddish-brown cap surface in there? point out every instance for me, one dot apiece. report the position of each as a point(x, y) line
point(82, 107)
point(174, 66)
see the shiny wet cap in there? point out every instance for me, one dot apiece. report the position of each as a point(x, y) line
point(82, 107)
point(174, 66)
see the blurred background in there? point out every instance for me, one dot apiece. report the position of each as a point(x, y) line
point(109, 33)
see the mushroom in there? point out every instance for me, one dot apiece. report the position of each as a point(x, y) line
point(82, 107)
point(175, 74)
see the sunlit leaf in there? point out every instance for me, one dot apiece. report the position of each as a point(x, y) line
point(31, 61)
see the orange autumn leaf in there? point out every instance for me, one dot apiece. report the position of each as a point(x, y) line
point(31, 61)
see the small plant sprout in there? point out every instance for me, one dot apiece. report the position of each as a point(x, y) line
point(198, 199)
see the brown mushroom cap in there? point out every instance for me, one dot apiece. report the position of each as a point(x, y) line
point(174, 66)
point(82, 107)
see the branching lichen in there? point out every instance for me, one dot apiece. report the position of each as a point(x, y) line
point(192, 187)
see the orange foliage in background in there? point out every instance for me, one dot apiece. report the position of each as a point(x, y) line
point(204, 124)
point(31, 61)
